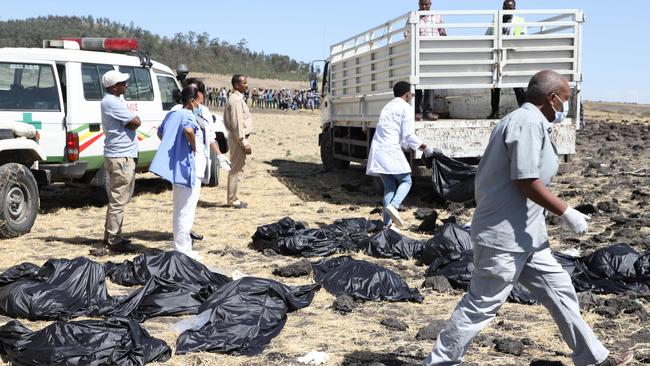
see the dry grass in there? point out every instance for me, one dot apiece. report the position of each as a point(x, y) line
point(617, 112)
point(284, 178)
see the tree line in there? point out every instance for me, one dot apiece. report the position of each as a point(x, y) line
point(199, 51)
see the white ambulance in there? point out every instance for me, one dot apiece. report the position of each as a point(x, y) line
point(57, 89)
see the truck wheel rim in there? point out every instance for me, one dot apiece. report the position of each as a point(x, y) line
point(17, 198)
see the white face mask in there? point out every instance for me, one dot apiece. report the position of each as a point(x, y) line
point(561, 116)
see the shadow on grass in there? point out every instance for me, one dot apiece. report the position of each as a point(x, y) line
point(59, 196)
point(137, 236)
point(312, 183)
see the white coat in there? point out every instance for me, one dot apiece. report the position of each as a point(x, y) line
point(395, 130)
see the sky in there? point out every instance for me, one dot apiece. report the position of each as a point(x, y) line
point(615, 51)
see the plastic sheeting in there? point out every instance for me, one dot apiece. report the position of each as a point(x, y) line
point(287, 237)
point(173, 266)
point(446, 246)
point(243, 316)
point(452, 179)
point(175, 285)
point(89, 342)
point(615, 269)
point(61, 289)
point(269, 236)
point(389, 244)
point(363, 280)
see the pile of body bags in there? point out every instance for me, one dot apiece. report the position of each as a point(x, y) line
point(240, 317)
point(611, 270)
point(236, 317)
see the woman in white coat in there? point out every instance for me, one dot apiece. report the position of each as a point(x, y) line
point(395, 131)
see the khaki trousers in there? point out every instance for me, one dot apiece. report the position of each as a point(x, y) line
point(236, 173)
point(121, 182)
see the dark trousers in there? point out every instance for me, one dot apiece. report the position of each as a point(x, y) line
point(424, 105)
point(520, 93)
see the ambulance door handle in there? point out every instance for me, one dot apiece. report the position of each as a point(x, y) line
point(94, 127)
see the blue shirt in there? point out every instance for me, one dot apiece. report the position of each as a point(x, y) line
point(520, 147)
point(174, 160)
point(119, 141)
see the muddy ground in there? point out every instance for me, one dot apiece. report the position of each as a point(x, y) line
point(285, 178)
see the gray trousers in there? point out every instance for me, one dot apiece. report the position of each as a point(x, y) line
point(496, 272)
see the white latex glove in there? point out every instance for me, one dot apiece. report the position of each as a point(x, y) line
point(429, 151)
point(575, 220)
point(224, 163)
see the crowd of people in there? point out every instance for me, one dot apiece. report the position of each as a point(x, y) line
point(260, 98)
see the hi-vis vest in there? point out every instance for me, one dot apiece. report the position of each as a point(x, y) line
point(516, 30)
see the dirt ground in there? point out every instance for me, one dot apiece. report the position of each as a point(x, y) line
point(284, 177)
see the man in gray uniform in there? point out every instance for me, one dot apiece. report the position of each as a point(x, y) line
point(509, 231)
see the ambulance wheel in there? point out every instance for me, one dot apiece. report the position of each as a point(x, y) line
point(19, 201)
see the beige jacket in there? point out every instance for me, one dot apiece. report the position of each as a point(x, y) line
point(237, 118)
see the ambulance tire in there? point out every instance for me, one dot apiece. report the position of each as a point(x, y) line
point(19, 200)
point(214, 170)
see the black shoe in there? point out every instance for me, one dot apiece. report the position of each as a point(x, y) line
point(122, 246)
point(195, 236)
point(430, 116)
point(99, 252)
point(493, 115)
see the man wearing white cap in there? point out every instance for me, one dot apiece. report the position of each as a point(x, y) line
point(120, 154)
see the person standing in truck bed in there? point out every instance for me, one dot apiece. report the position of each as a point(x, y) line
point(429, 27)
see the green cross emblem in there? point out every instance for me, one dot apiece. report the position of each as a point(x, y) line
point(27, 118)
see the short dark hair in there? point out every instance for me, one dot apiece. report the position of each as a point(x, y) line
point(189, 93)
point(542, 84)
point(198, 83)
point(401, 88)
point(236, 79)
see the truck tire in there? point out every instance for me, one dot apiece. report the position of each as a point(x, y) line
point(19, 201)
point(214, 170)
point(327, 154)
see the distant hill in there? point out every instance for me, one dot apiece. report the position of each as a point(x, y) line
point(199, 51)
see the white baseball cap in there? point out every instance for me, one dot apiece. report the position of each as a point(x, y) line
point(113, 77)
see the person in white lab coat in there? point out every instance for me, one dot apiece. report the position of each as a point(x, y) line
point(395, 131)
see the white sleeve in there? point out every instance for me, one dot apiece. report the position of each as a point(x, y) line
point(209, 124)
point(409, 138)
